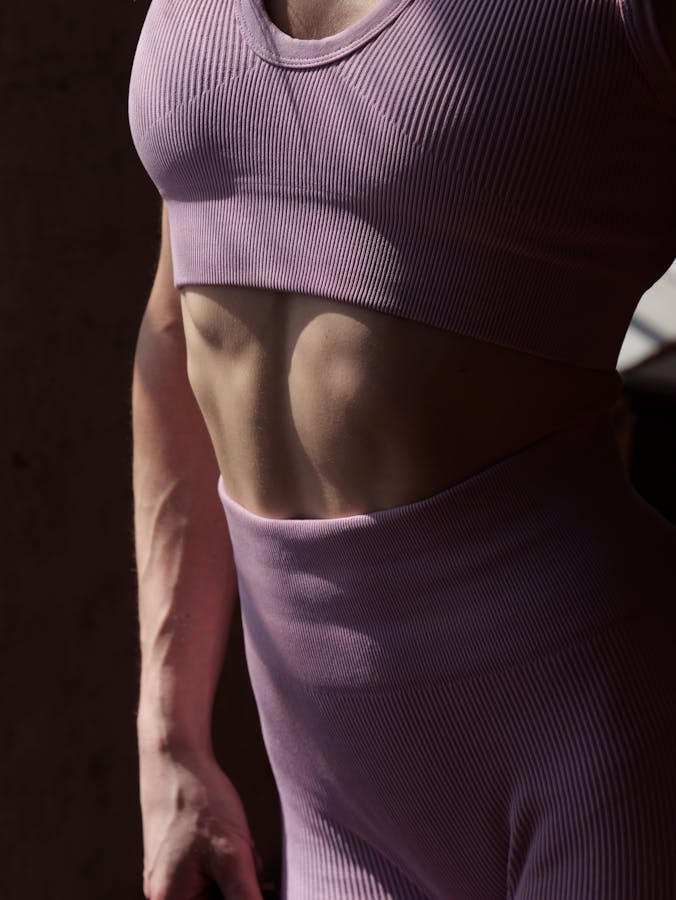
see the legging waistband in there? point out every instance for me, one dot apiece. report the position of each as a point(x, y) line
point(518, 559)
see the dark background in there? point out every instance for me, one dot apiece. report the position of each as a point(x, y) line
point(79, 241)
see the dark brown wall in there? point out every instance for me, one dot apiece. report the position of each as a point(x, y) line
point(78, 240)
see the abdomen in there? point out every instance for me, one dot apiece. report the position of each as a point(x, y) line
point(320, 408)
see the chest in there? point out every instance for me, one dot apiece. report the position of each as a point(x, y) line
point(498, 93)
point(308, 20)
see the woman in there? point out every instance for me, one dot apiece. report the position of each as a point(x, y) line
point(401, 244)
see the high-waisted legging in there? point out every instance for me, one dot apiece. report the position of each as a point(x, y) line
point(472, 696)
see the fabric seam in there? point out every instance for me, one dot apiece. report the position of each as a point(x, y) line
point(175, 110)
point(314, 61)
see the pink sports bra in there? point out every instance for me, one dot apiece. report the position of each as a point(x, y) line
point(504, 169)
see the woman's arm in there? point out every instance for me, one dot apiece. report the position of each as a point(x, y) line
point(186, 572)
point(195, 829)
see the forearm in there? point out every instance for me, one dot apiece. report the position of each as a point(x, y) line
point(186, 573)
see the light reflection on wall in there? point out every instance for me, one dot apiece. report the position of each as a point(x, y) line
point(653, 323)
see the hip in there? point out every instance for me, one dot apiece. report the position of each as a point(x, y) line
point(519, 559)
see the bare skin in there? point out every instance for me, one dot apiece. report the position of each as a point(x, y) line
point(319, 409)
point(307, 20)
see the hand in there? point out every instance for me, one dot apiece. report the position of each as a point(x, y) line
point(196, 838)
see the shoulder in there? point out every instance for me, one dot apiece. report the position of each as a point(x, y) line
point(665, 19)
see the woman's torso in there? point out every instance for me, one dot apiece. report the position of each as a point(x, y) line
point(318, 408)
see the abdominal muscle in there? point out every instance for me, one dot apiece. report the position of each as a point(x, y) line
point(318, 408)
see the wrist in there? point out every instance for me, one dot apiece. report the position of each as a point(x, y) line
point(159, 734)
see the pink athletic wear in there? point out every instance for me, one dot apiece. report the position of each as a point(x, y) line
point(471, 696)
point(504, 169)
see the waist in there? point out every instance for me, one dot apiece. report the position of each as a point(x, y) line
point(515, 560)
point(326, 457)
point(317, 411)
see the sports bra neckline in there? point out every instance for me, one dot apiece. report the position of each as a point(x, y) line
point(276, 46)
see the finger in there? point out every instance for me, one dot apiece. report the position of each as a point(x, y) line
point(239, 881)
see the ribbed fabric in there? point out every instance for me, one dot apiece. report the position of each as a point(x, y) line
point(503, 169)
point(471, 697)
